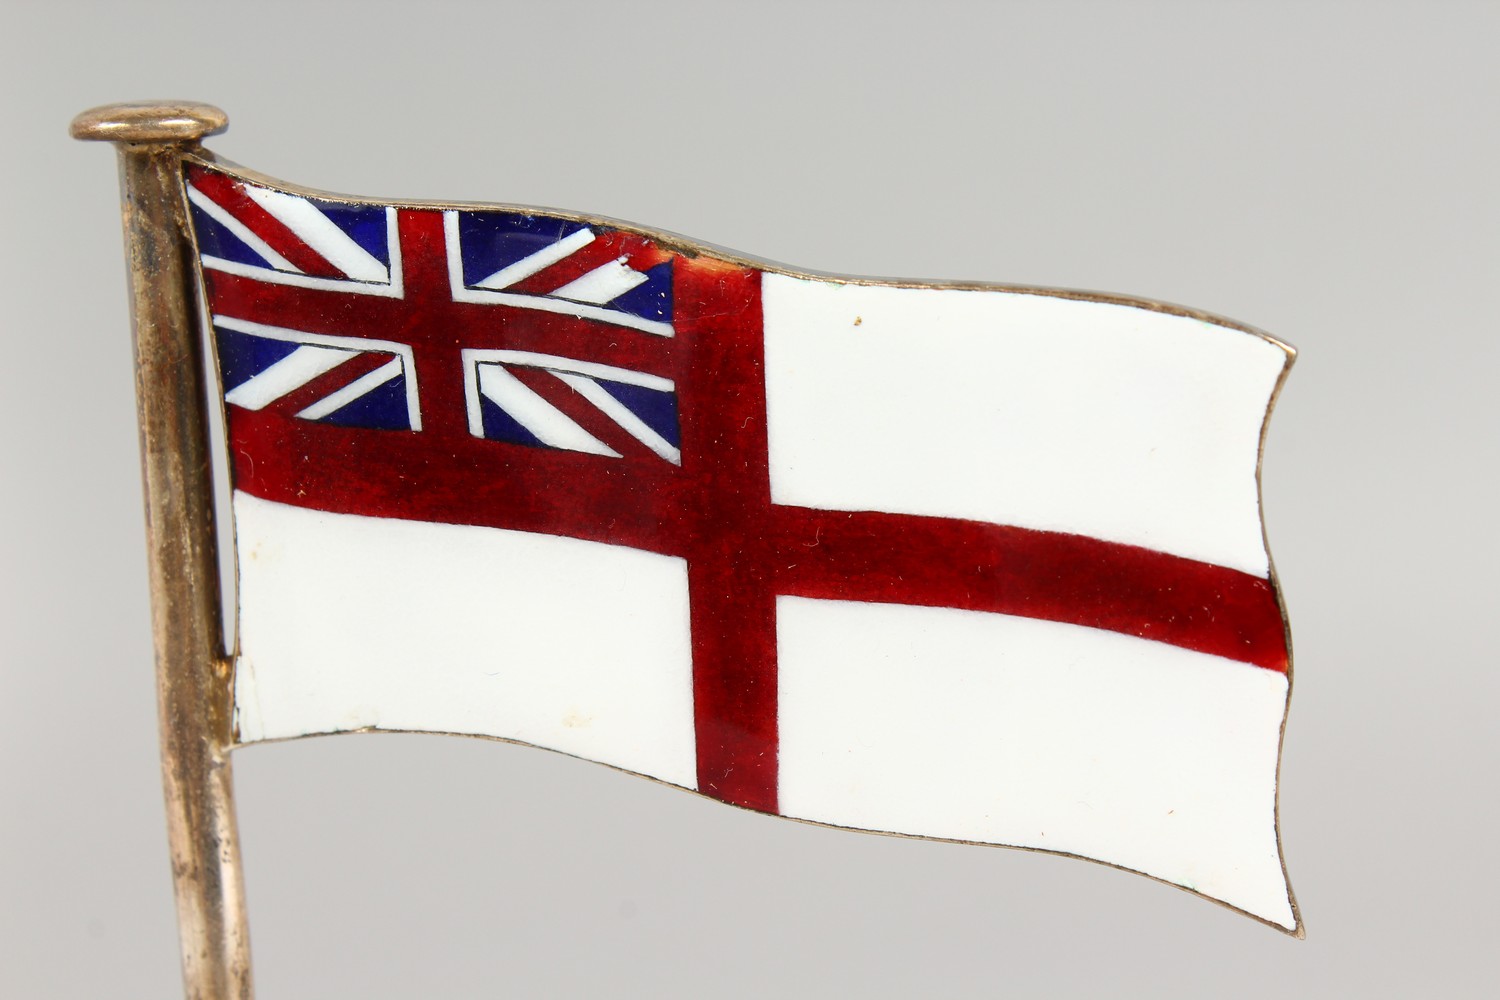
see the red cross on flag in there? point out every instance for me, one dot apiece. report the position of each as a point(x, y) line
point(969, 563)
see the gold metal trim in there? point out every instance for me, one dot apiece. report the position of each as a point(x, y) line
point(149, 122)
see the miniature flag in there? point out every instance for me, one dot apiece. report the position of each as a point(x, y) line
point(955, 562)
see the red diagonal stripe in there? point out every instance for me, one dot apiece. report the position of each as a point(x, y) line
point(440, 324)
point(329, 382)
point(582, 412)
point(230, 195)
point(605, 248)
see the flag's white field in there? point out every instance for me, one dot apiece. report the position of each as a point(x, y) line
point(351, 622)
point(1107, 420)
point(1004, 730)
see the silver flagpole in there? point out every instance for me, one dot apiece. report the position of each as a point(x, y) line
point(192, 671)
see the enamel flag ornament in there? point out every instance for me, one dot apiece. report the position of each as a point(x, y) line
point(967, 562)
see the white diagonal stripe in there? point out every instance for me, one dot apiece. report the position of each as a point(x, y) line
point(318, 231)
point(603, 283)
point(300, 280)
point(555, 363)
point(565, 307)
point(455, 258)
point(368, 382)
point(543, 303)
point(532, 263)
point(291, 372)
point(217, 212)
point(549, 424)
point(403, 351)
point(622, 415)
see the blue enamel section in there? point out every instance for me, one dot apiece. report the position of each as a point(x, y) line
point(493, 240)
point(501, 426)
point(242, 356)
point(382, 408)
point(657, 408)
point(652, 298)
point(216, 241)
point(364, 224)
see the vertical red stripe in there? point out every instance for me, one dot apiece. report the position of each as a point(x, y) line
point(437, 332)
point(734, 682)
point(733, 606)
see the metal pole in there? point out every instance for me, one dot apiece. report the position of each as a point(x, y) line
point(192, 670)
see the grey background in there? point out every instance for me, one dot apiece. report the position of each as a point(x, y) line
point(1326, 171)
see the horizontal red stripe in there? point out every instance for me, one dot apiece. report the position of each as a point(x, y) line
point(867, 556)
point(903, 559)
point(468, 480)
point(449, 325)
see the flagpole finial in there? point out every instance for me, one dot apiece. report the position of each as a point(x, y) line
point(149, 122)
